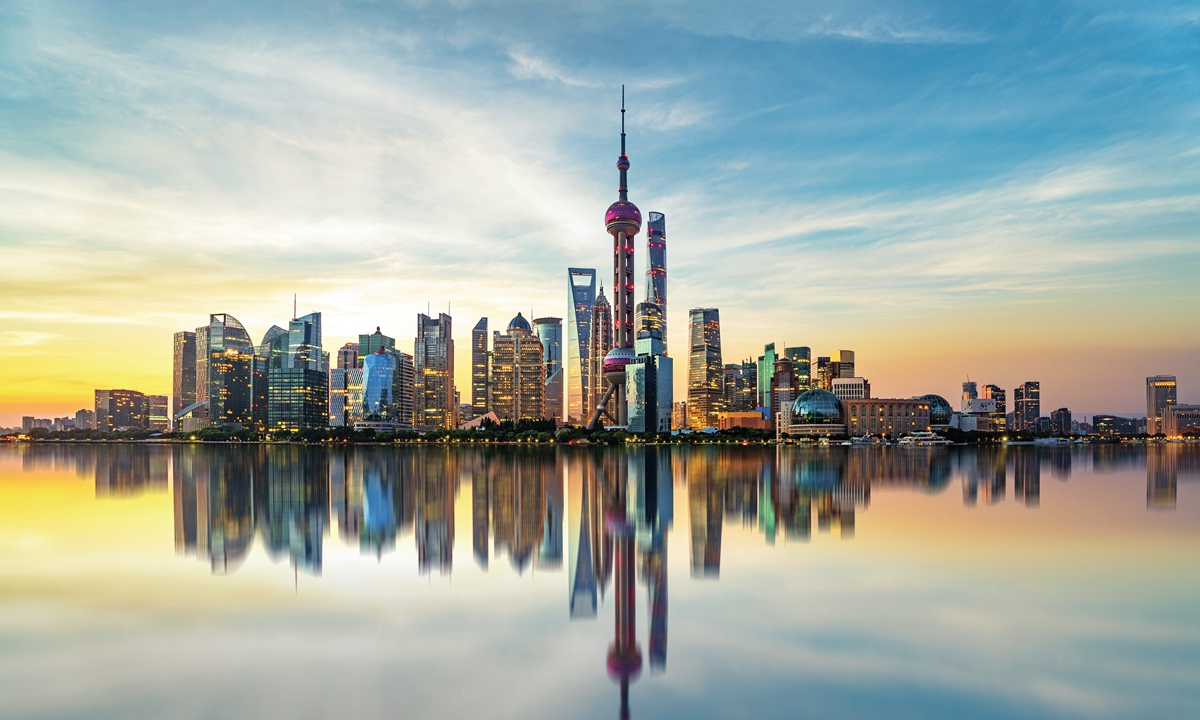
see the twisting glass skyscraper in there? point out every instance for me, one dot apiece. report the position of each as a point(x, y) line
point(652, 312)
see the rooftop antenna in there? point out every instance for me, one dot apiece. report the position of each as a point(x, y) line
point(293, 306)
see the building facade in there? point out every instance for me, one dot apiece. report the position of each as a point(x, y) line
point(549, 331)
point(851, 388)
point(121, 409)
point(1027, 407)
point(385, 395)
point(886, 416)
point(705, 398)
point(581, 284)
point(224, 373)
point(433, 355)
point(765, 370)
point(602, 339)
point(298, 380)
point(1181, 421)
point(999, 417)
point(1060, 422)
point(479, 368)
point(518, 373)
point(652, 312)
point(183, 371)
point(1160, 394)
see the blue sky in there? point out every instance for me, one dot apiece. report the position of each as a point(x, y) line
point(1008, 190)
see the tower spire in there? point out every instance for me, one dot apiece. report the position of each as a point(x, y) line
point(623, 161)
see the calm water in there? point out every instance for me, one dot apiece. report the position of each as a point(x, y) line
point(287, 582)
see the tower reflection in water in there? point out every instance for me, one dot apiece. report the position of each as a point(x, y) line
point(619, 505)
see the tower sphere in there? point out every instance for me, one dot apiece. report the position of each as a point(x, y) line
point(623, 216)
point(615, 362)
point(623, 162)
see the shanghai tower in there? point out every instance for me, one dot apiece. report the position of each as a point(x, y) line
point(652, 312)
point(623, 221)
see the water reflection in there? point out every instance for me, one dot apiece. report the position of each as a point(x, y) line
point(611, 511)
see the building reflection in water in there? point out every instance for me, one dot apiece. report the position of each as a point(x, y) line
point(613, 523)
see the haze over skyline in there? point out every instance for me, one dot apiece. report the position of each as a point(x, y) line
point(1011, 193)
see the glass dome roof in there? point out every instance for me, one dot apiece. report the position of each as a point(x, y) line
point(939, 409)
point(817, 407)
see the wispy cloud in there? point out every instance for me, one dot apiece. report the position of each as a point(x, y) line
point(24, 339)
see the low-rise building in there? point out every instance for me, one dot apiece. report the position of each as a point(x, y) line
point(886, 416)
point(752, 420)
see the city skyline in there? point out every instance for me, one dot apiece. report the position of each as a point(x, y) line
point(875, 199)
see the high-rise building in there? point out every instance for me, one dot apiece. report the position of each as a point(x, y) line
point(121, 409)
point(370, 343)
point(225, 372)
point(844, 367)
point(549, 331)
point(183, 372)
point(1027, 407)
point(158, 413)
point(999, 417)
point(347, 356)
point(649, 382)
point(602, 339)
point(822, 374)
point(623, 221)
point(1160, 393)
point(434, 357)
point(652, 312)
point(386, 394)
point(969, 392)
point(784, 386)
point(766, 370)
point(801, 358)
point(705, 397)
point(1060, 422)
point(679, 419)
point(518, 373)
point(298, 387)
point(741, 392)
point(582, 285)
point(479, 368)
point(271, 353)
point(85, 419)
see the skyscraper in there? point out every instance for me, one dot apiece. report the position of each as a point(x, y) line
point(434, 358)
point(549, 331)
point(347, 357)
point(784, 386)
point(582, 285)
point(157, 409)
point(623, 221)
point(479, 368)
point(766, 370)
point(183, 372)
point(997, 393)
point(373, 342)
point(822, 374)
point(518, 373)
point(705, 374)
point(119, 409)
point(801, 358)
point(969, 392)
point(844, 367)
point(602, 340)
point(224, 371)
point(1027, 407)
point(387, 389)
point(1160, 393)
point(298, 387)
point(652, 312)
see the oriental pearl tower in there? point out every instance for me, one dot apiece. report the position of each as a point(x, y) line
point(623, 221)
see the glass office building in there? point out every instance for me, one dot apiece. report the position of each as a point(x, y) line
point(705, 398)
point(549, 331)
point(581, 284)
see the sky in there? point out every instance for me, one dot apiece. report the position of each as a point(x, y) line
point(1008, 191)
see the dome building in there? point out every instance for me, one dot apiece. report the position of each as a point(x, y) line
point(816, 413)
point(518, 373)
point(939, 409)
